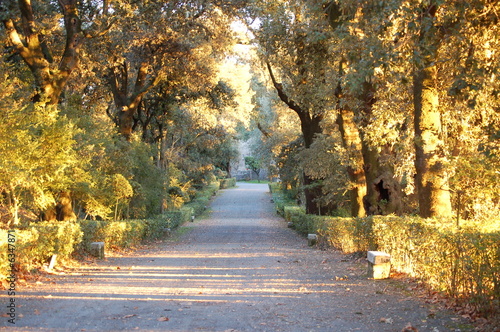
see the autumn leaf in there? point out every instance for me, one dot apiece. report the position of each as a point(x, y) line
point(163, 319)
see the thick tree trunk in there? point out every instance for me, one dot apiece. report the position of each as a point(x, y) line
point(352, 142)
point(125, 103)
point(310, 127)
point(430, 162)
point(34, 50)
point(383, 191)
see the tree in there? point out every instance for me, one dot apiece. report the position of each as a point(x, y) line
point(293, 39)
point(36, 148)
point(178, 54)
point(254, 165)
point(30, 42)
point(430, 162)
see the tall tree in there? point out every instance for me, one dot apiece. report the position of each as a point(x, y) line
point(294, 45)
point(430, 160)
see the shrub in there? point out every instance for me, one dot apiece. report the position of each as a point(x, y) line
point(177, 218)
point(156, 227)
point(38, 242)
point(93, 231)
point(227, 183)
point(290, 210)
point(124, 234)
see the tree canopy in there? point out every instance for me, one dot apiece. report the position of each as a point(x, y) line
point(365, 107)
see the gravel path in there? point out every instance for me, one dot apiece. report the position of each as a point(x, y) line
point(241, 269)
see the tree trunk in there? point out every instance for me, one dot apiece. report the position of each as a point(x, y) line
point(383, 191)
point(126, 104)
point(34, 50)
point(352, 142)
point(430, 162)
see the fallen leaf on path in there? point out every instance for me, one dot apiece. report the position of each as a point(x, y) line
point(386, 320)
point(128, 316)
point(163, 319)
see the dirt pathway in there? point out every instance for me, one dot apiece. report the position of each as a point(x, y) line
point(241, 269)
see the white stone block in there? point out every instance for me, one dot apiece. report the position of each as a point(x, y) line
point(378, 257)
point(379, 265)
point(97, 249)
point(312, 239)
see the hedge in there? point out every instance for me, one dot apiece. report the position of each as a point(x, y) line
point(35, 245)
point(461, 262)
point(178, 217)
point(227, 183)
point(39, 241)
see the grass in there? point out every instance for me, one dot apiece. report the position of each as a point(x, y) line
point(256, 181)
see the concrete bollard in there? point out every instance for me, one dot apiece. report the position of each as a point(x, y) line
point(312, 239)
point(379, 265)
point(52, 263)
point(97, 249)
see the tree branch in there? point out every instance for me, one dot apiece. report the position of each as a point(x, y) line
point(281, 93)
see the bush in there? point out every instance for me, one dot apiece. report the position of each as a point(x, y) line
point(463, 263)
point(156, 227)
point(38, 242)
point(227, 183)
point(177, 218)
point(125, 234)
point(280, 202)
point(290, 210)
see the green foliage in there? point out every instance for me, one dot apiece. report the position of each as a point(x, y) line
point(177, 218)
point(93, 231)
point(227, 183)
point(253, 164)
point(124, 234)
point(36, 244)
point(36, 145)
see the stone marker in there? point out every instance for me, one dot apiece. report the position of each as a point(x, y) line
point(312, 239)
point(97, 249)
point(52, 262)
point(379, 265)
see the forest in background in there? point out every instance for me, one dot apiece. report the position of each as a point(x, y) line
point(126, 108)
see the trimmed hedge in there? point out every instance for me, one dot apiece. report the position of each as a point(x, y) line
point(177, 218)
point(227, 183)
point(37, 243)
point(202, 199)
point(463, 263)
